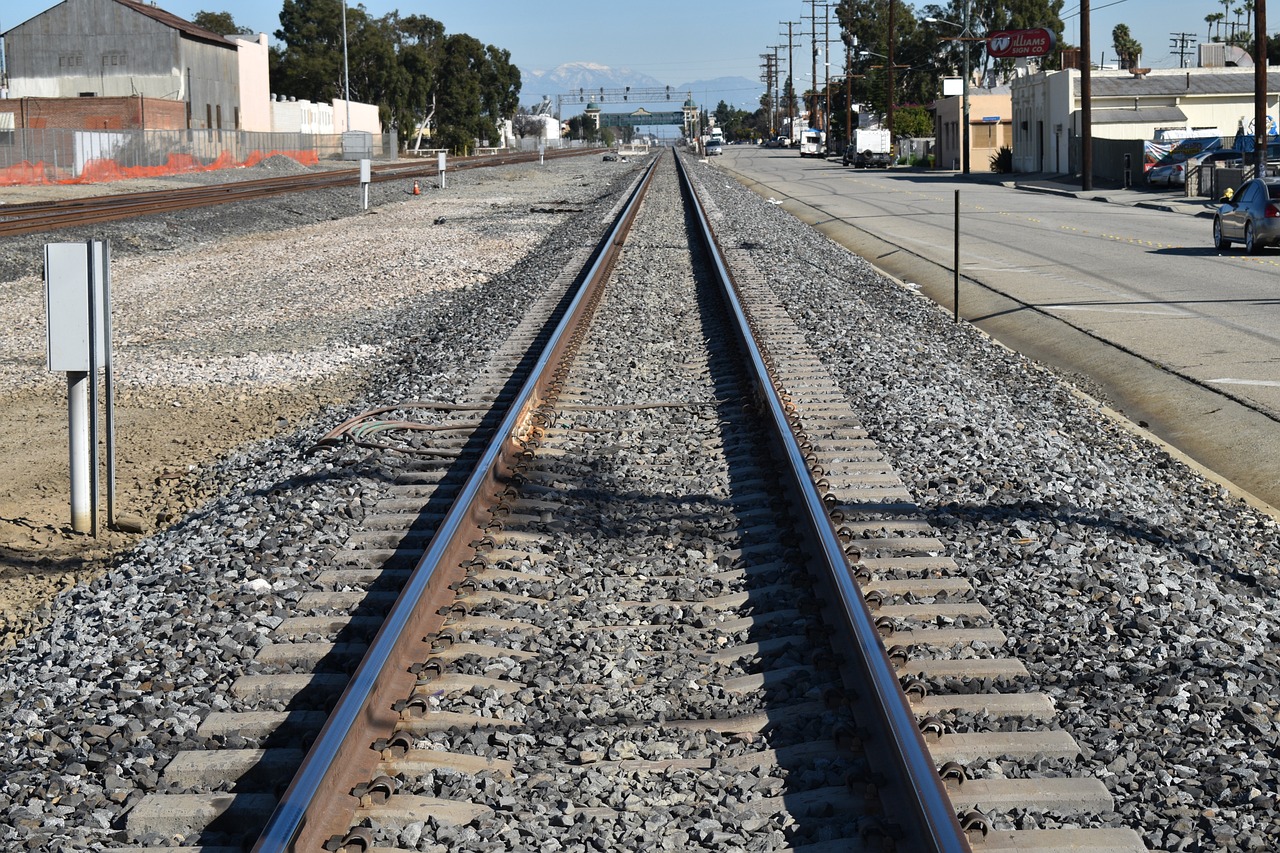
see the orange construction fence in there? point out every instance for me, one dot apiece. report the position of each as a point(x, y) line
point(103, 171)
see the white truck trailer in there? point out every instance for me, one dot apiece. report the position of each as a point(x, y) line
point(871, 149)
point(812, 143)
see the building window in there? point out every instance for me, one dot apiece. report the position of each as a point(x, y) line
point(71, 60)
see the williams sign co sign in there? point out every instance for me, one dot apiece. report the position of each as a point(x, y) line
point(1017, 44)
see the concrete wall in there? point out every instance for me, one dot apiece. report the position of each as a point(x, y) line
point(363, 117)
point(255, 83)
point(302, 116)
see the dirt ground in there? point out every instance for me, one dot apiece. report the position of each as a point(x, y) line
point(158, 447)
point(161, 439)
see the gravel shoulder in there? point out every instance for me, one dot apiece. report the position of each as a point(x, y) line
point(232, 324)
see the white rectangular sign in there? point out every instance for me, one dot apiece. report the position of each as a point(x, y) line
point(66, 280)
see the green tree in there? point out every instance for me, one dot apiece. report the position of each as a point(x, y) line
point(1126, 47)
point(417, 48)
point(221, 23)
point(407, 65)
point(1211, 20)
point(912, 121)
point(309, 63)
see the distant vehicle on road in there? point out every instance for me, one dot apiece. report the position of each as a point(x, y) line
point(869, 149)
point(812, 143)
point(714, 148)
point(1250, 216)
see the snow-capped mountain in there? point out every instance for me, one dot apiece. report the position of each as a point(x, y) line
point(587, 76)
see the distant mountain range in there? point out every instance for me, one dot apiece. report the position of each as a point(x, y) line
point(589, 77)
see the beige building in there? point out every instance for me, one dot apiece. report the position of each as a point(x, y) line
point(990, 128)
point(1128, 106)
point(255, 84)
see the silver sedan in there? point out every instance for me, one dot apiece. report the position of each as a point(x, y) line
point(1251, 215)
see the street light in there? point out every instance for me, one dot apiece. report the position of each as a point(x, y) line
point(964, 46)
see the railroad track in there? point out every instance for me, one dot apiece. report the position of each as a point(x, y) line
point(634, 595)
point(33, 217)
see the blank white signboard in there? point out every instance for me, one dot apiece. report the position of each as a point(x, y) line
point(66, 280)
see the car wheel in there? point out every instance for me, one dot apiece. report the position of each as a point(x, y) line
point(1219, 241)
point(1249, 246)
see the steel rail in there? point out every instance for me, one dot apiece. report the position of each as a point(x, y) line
point(938, 826)
point(44, 216)
point(339, 745)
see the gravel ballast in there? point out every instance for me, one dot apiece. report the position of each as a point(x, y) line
point(1140, 594)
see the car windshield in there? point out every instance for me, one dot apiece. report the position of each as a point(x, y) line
point(1273, 191)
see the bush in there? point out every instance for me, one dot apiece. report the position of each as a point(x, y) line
point(1002, 160)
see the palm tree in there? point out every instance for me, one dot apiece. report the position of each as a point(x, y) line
point(1215, 18)
point(1129, 50)
point(1226, 12)
point(1242, 32)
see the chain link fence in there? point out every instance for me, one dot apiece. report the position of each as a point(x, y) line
point(56, 155)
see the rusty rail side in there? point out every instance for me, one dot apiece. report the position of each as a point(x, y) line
point(937, 829)
point(319, 801)
point(64, 213)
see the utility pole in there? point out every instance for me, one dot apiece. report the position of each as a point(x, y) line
point(1180, 43)
point(813, 87)
point(848, 88)
point(791, 76)
point(889, 111)
point(826, 65)
point(1260, 85)
point(1086, 101)
point(777, 88)
point(965, 149)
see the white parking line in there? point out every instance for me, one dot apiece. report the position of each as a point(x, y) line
point(1111, 310)
point(1269, 383)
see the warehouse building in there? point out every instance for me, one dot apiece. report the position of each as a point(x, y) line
point(122, 49)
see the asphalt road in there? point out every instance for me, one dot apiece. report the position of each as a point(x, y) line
point(1135, 303)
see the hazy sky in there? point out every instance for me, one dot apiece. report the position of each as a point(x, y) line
point(677, 41)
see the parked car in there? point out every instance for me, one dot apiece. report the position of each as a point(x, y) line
point(1250, 215)
point(1177, 173)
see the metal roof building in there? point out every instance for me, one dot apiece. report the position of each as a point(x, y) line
point(123, 48)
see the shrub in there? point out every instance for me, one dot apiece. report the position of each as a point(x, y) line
point(1002, 160)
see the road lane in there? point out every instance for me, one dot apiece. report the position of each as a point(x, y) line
point(1185, 340)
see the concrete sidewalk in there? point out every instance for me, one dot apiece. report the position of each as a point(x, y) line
point(1171, 199)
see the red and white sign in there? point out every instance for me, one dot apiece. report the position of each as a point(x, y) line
point(1016, 44)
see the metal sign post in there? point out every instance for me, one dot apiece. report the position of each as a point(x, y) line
point(78, 310)
point(366, 178)
point(441, 163)
point(955, 284)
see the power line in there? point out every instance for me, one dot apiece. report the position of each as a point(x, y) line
point(1180, 43)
